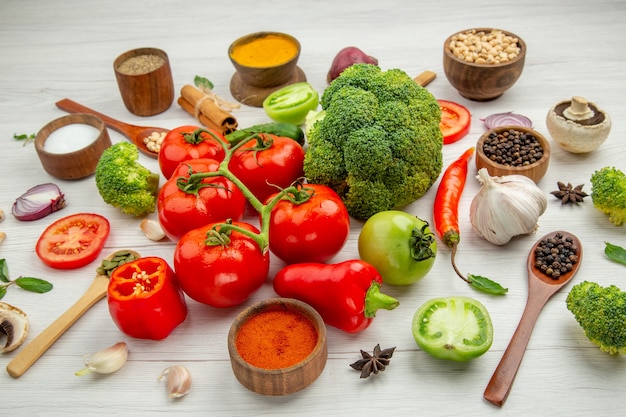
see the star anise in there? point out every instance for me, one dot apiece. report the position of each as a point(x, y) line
point(569, 194)
point(373, 363)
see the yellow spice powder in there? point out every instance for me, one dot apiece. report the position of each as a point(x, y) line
point(266, 51)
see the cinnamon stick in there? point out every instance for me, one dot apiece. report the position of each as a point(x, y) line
point(205, 121)
point(202, 105)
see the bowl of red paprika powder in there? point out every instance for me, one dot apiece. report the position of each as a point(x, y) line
point(277, 346)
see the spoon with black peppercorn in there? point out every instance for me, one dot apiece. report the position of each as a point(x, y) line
point(541, 287)
point(136, 134)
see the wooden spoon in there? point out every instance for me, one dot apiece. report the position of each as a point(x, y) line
point(540, 288)
point(136, 134)
point(38, 346)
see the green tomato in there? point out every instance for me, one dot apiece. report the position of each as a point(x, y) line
point(453, 328)
point(292, 103)
point(400, 246)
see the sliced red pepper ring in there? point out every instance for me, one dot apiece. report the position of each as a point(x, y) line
point(455, 121)
point(144, 299)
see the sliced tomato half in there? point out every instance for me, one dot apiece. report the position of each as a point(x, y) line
point(455, 121)
point(73, 241)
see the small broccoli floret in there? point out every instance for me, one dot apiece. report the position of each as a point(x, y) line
point(609, 193)
point(124, 183)
point(377, 142)
point(601, 312)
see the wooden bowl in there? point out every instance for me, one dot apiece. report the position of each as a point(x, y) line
point(482, 82)
point(147, 88)
point(70, 156)
point(262, 66)
point(534, 171)
point(280, 381)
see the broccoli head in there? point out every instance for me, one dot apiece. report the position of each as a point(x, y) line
point(124, 183)
point(609, 193)
point(376, 141)
point(601, 312)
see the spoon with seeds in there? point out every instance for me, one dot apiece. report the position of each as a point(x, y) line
point(29, 354)
point(541, 288)
point(136, 134)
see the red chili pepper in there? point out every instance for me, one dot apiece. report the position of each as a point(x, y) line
point(446, 219)
point(346, 295)
point(446, 209)
point(144, 299)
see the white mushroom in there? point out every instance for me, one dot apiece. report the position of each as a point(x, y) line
point(13, 323)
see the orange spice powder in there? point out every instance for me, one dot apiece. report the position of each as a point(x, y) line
point(265, 51)
point(276, 339)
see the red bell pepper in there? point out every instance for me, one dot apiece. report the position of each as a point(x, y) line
point(145, 300)
point(346, 295)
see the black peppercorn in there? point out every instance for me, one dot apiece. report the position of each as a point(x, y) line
point(556, 255)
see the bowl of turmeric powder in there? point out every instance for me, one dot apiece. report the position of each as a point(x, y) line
point(277, 346)
point(264, 62)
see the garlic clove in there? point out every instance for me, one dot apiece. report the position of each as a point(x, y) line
point(2, 236)
point(106, 361)
point(152, 229)
point(178, 380)
point(13, 323)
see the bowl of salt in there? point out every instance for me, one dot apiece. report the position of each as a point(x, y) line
point(69, 147)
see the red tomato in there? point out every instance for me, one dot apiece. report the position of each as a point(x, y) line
point(312, 231)
point(144, 299)
point(73, 241)
point(262, 171)
point(220, 275)
point(188, 142)
point(218, 200)
point(455, 121)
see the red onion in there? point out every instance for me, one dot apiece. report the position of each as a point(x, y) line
point(507, 119)
point(348, 56)
point(38, 202)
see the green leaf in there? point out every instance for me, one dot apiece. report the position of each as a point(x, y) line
point(33, 284)
point(486, 285)
point(615, 253)
point(3, 291)
point(203, 83)
point(23, 136)
point(4, 271)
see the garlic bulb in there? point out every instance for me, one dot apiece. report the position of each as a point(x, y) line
point(506, 207)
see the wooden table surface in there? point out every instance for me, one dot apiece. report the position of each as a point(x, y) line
point(54, 50)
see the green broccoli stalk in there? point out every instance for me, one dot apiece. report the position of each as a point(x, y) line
point(601, 312)
point(376, 141)
point(609, 193)
point(124, 183)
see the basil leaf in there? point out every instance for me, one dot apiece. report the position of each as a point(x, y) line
point(4, 271)
point(486, 285)
point(615, 253)
point(33, 284)
point(3, 291)
point(203, 83)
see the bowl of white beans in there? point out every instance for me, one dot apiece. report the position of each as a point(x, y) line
point(483, 63)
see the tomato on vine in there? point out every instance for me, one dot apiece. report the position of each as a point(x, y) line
point(189, 142)
point(310, 224)
point(214, 199)
point(267, 164)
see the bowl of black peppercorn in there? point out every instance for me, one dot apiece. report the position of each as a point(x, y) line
point(513, 150)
